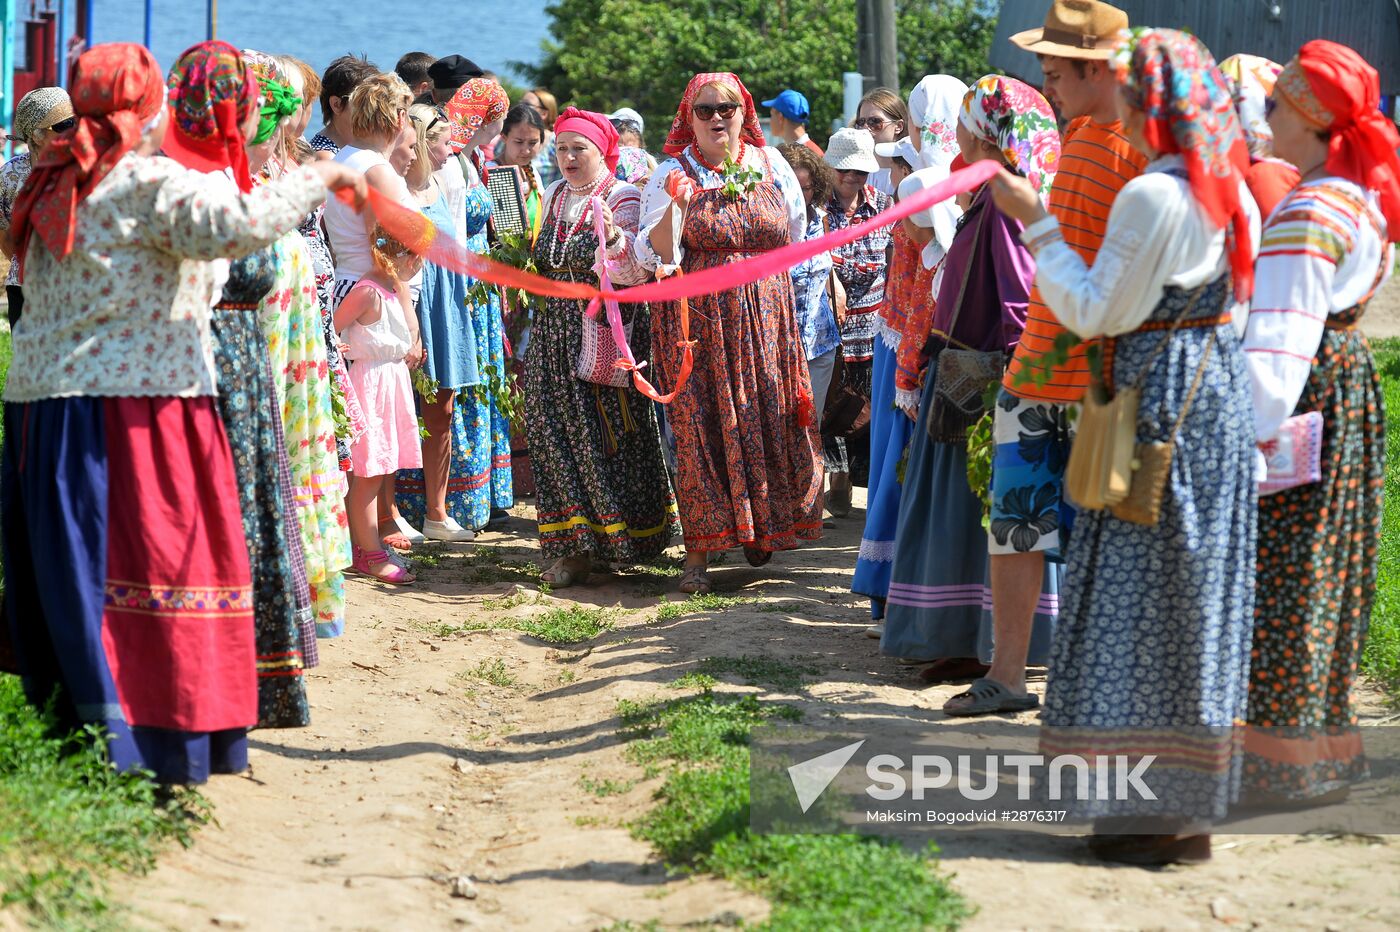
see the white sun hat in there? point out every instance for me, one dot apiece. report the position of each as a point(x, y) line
point(852, 150)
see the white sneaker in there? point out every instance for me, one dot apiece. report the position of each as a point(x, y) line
point(875, 632)
point(408, 530)
point(448, 530)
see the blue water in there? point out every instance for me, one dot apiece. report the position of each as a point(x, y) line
point(491, 33)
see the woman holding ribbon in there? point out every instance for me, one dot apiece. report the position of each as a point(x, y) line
point(748, 454)
point(292, 323)
point(602, 491)
point(1325, 251)
point(126, 565)
point(1151, 653)
point(939, 602)
point(215, 100)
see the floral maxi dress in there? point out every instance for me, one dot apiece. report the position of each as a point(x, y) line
point(748, 470)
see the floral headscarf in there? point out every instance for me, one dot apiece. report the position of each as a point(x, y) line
point(478, 102)
point(212, 91)
point(681, 133)
point(1250, 80)
point(1014, 117)
point(117, 90)
point(933, 107)
point(279, 99)
point(1339, 92)
point(633, 164)
point(1171, 77)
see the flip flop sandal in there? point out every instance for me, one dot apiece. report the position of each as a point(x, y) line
point(953, 670)
point(988, 697)
point(696, 581)
point(757, 557)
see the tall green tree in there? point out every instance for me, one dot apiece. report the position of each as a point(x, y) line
point(604, 54)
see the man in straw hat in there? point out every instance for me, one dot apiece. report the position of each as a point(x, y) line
point(41, 115)
point(1095, 162)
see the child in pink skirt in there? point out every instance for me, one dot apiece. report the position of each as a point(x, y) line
point(377, 323)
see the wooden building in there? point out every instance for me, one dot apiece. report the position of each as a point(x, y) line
point(1272, 28)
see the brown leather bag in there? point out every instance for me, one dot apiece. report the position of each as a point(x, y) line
point(847, 411)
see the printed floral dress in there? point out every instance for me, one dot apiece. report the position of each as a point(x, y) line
point(292, 322)
point(600, 479)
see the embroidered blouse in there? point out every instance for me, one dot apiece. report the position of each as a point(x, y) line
point(816, 320)
point(127, 312)
point(12, 177)
point(1324, 251)
point(1157, 235)
point(655, 200)
point(626, 204)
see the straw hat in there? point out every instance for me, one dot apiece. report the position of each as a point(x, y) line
point(852, 150)
point(1075, 29)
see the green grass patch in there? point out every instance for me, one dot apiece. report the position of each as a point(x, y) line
point(605, 788)
point(494, 672)
point(568, 625)
point(67, 820)
point(702, 824)
point(757, 671)
point(706, 602)
point(781, 608)
point(1382, 657)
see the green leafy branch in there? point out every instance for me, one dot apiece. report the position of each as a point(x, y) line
point(516, 251)
point(738, 179)
point(499, 389)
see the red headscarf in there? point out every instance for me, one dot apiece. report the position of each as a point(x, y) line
point(212, 91)
point(1336, 90)
point(594, 127)
point(1172, 78)
point(117, 88)
point(681, 133)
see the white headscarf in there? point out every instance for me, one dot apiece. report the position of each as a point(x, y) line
point(934, 105)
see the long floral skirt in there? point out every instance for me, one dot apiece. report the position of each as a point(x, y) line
point(1317, 581)
point(1151, 653)
point(748, 472)
point(479, 468)
point(128, 591)
point(248, 406)
point(600, 480)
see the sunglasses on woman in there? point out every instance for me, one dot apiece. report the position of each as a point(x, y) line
point(63, 126)
point(706, 112)
point(872, 123)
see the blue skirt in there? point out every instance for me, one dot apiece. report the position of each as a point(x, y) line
point(890, 430)
point(940, 596)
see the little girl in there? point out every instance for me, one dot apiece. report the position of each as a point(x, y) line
point(377, 324)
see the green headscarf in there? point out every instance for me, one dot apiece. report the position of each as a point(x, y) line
point(279, 101)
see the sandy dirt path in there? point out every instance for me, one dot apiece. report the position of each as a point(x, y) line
point(415, 772)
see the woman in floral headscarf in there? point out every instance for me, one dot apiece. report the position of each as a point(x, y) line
point(290, 313)
point(126, 565)
point(1325, 251)
point(214, 97)
point(918, 247)
point(748, 454)
point(1152, 650)
point(1251, 81)
point(938, 607)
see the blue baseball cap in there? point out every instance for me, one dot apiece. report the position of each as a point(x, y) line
point(792, 105)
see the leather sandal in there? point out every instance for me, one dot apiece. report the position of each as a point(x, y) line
point(696, 581)
point(560, 576)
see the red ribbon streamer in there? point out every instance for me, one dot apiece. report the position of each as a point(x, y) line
point(418, 233)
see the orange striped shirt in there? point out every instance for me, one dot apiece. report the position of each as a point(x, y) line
point(1095, 163)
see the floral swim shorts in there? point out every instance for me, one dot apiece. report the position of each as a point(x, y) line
point(1028, 475)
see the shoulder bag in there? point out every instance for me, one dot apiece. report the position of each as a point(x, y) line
point(962, 376)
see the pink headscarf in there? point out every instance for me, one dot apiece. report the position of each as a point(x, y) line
point(594, 127)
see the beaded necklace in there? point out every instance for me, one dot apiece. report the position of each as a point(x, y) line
point(700, 157)
point(561, 241)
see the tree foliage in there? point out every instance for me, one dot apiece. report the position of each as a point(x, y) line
point(605, 54)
